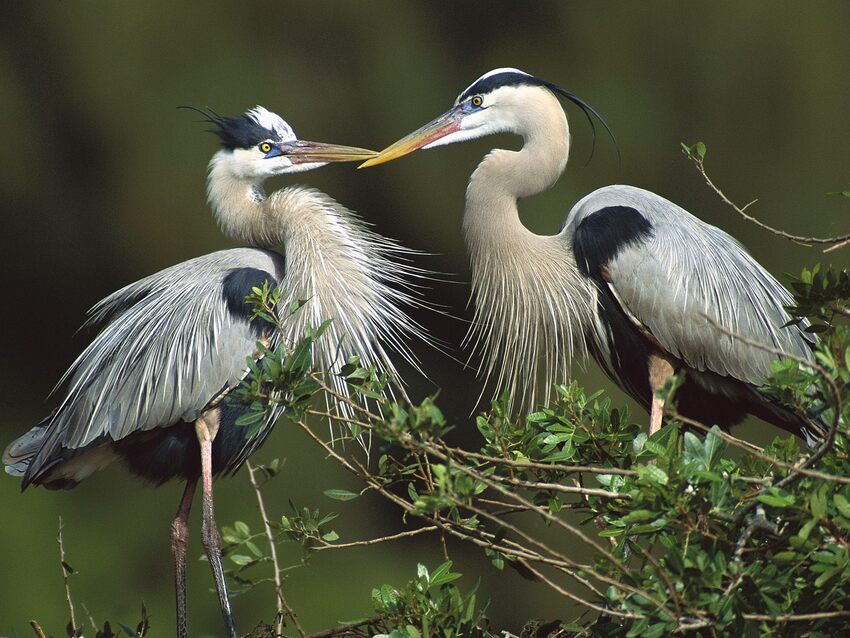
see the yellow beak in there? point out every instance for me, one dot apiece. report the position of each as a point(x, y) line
point(447, 123)
point(302, 152)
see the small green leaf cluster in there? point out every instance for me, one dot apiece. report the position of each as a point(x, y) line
point(694, 151)
point(429, 606)
point(279, 376)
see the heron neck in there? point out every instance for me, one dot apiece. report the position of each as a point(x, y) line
point(491, 217)
point(332, 260)
point(531, 302)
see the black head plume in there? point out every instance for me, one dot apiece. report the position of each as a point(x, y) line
point(240, 131)
point(515, 77)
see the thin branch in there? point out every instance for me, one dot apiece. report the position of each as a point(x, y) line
point(363, 474)
point(376, 541)
point(65, 571)
point(839, 241)
point(283, 608)
point(821, 615)
point(352, 627)
point(558, 487)
point(90, 617)
point(39, 632)
point(842, 244)
point(554, 467)
point(572, 596)
point(548, 516)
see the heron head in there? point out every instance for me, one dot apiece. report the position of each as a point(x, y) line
point(260, 144)
point(501, 101)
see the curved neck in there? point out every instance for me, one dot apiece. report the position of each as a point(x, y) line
point(504, 177)
point(332, 260)
point(532, 305)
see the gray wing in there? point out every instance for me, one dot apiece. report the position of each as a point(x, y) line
point(169, 344)
point(671, 271)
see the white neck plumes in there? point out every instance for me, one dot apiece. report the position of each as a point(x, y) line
point(348, 273)
point(531, 303)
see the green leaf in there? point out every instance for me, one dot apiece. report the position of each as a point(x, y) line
point(653, 473)
point(827, 575)
point(807, 528)
point(250, 418)
point(241, 559)
point(639, 516)
point(341, 495)
point(841, 504)
point(777, 498)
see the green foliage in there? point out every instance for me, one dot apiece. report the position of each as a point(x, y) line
point(686, 530)
point(694, 151)
point(429, 605)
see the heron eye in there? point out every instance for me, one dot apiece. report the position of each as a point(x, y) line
point(476, 100)
point(265, 147)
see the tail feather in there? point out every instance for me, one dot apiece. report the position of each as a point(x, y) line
point(20, 452)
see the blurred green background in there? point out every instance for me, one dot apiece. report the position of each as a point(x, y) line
point(103, 180)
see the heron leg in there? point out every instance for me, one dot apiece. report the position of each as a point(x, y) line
point(660, 370)
point(179, 542)
point(206, 427)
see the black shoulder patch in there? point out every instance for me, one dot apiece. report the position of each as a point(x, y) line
point(603, 234)
point(237, 285)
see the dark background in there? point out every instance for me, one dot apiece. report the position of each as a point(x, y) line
point(102, 182)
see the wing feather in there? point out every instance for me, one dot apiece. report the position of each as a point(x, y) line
point(682, 275)
point(169, 343)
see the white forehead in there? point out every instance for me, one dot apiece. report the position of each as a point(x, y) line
point(273, 122)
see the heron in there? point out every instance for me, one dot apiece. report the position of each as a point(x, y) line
point(645, 287)
point(146, 390)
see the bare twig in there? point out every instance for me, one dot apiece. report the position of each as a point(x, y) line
point(283, 608)
point(39, 632)
point(558, 487)
point(822, 615)
point(578, 533)
point(838, 241)
point(381, 539)
point(361, 472)
point(65, 572)
point(90, 617)
point(568, 594)
point(357, 627)
point(553, 467)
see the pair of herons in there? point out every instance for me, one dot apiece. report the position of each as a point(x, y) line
point(641, 284)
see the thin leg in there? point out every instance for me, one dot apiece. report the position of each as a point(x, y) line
point(655, 415)
point(179, 541)
point(206, 428)
point(660, 370)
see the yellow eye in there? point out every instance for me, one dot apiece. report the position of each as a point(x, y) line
point(265, 147)
point(476, 100)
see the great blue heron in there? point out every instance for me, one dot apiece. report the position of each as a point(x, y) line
point(172, 342)
point(633, 278)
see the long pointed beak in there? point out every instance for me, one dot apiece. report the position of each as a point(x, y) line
point(303, 151)
point(448, 122)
